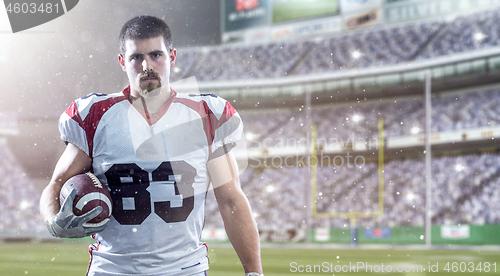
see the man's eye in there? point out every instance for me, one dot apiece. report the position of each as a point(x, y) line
point(155, 55)
point(135, 57)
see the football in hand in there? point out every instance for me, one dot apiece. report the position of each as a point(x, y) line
point(90, 193)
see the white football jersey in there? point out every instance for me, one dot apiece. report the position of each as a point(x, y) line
point(155, 168)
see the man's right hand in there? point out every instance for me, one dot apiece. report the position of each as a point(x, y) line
point(66, 224)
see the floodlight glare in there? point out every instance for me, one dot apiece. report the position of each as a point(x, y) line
point(479, 36)
point(356, 54)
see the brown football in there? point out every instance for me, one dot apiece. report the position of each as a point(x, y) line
point(90, 193)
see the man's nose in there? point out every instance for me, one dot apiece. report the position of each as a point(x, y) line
point(146, 65)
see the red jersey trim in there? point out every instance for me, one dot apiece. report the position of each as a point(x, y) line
point(72, 112)
point(91, 250)
point(210, 121)
point(207, 117)
point(153, 118)
point(97, 110)
point(228, 112)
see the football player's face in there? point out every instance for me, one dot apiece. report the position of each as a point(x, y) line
point(147, 63)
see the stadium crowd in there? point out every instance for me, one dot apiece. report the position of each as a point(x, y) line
point(18, 196)
point(460, 195)
point(359, 120)
point(463, 188)
point(379, 46)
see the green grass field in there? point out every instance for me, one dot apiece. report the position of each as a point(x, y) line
point(68, 259)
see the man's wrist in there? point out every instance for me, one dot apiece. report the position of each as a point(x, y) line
point(253, 274)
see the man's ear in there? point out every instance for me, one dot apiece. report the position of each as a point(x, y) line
point(173, 56)
point(121, 60)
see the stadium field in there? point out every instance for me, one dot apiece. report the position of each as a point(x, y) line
point(71, 258)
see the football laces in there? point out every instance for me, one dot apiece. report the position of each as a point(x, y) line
point(94, 179)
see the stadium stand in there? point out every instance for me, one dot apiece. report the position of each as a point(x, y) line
point(461, 195)
point(360, 120)
point(18, 196)
point(463, 188)
point(361, 49)
point(250, 62)
point(465, 33)
point(186, 60)
point(368, 48)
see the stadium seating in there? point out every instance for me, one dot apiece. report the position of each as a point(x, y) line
point(358, 49)
point(18, 197)
point(460, 195)
point(360, 120)
point(465, 33)
point(463, 190)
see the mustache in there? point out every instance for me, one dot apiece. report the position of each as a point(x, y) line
point(149, 74)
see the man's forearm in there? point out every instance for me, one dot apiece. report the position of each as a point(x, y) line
point(72, 162)
point(49, 202)
point(235, 211)
point(243, 234)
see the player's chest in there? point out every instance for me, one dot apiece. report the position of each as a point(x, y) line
point(126, 134)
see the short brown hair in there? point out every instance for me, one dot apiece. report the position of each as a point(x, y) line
point(144, 27)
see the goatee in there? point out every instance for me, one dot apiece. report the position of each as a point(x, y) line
point(150, 91)
point(149, 88)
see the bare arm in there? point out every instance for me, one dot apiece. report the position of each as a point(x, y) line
point(235, 210)
point(73, 161)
